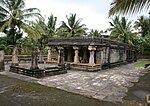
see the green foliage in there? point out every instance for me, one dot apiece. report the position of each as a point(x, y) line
point(15, 17)
point(72, 27)
point(27, 42)
point(4, 45)
point(141, 63)
point(128, 6)
point(121, 30)
point(95, 33)
point(51, 26)
point(143, 25)
point(143, 43)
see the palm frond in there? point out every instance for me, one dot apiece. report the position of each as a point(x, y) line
point(30, 10)
point(64, 25)
point(30, 15)
point(128, 6)
point(2, 16)
point(31, 31)
point(4, 10)
point(4, 26)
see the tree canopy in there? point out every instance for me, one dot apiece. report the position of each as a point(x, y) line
point(15, 17)
point(72, 27)
point(121, 30)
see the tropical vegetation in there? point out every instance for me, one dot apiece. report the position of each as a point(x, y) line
point(16, 20)
point(95, 33)
point(122, 30)
point(72, 27)
point(142, 62)
point(128, 6)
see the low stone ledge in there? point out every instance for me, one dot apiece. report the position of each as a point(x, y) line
point(86, 67)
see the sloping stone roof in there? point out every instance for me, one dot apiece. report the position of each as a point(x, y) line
point(83, 41)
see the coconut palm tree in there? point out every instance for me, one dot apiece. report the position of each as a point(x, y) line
point(51, 26)
point(121, 30)
point(95, 33)
point(72, 27)
point(142, 24)
point(39, 28)
point(16, 17)
point(128, 6)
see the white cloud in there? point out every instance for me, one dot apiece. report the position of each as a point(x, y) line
point(91, 18)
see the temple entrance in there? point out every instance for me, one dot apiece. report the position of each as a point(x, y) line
point(69, 54)
point(84, 55)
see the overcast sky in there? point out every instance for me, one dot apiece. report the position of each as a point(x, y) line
point(93, 12)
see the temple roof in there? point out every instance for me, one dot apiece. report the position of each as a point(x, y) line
point(85, 41)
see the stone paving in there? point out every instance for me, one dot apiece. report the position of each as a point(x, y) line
point(107, 85)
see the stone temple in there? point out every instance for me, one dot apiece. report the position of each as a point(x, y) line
point(90, 53)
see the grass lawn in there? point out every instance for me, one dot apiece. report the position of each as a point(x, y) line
point(141, 63)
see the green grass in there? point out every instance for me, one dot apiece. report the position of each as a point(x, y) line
point(141, 63)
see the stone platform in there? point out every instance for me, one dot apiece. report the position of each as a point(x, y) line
point(86, 67)
point(42, 71)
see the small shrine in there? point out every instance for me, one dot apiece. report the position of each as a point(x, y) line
point(90, 53)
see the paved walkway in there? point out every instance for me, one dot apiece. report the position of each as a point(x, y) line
point(108, 85)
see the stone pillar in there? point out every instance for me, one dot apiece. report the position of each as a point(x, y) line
point(91, 59)
point(124, 56)
point(60, 55)
point(41, 59)
point(49, 58)
point(102, 56)
point(76, 56)
point(34, 59)
point(108, 55)
point(2, 66)
point(15, 57)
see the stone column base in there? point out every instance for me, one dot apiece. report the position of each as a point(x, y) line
point(41, 62)
point(15, 64)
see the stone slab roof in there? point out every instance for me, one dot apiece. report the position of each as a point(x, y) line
point(85, 41)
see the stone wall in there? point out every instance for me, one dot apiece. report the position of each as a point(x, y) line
point(98, 57)
point(104, 55)
point(114, 55)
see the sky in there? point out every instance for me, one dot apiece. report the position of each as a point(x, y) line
point(94, 13)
